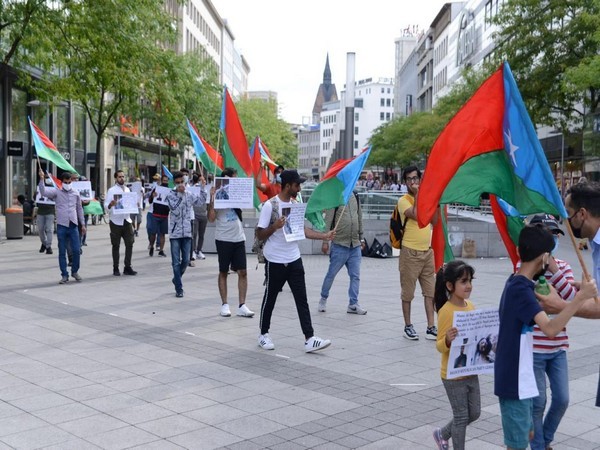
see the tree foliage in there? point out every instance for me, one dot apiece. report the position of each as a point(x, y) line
point(552, 47)
point(259, 118)
point(104, 52)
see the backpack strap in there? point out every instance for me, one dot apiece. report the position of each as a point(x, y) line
point(411, 200)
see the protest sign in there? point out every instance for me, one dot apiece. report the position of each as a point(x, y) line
point(84, 188)
point(473, 351)
point(234, 193)
point(43, 200)
point(161, 195)
point(293, 229)
point(126, 203)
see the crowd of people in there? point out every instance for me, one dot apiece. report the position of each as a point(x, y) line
point(529, 349)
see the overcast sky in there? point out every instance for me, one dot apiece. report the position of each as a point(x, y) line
point(286, 42)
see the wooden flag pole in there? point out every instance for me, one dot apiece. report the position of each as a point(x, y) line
point(586, 274)
point(340, 218)
point(218, 151)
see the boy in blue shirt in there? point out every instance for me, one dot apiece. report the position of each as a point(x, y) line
point(514, 379)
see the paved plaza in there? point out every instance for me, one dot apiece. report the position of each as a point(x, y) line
point(119, 362)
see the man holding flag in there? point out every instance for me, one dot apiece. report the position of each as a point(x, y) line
point(69, 215)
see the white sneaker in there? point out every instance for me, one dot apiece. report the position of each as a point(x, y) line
point(195, 255)
point(323, 305)
point(243, 311)
point(225, 312)
point(264, 341)
point(316, 343)
point(201, 255)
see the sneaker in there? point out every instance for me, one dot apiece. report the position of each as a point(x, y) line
point(439, 440)
point(225, 312)
point(49, 251)
point(179, 294)
point(431, 333)
point(243, 311)
point(356, 309)
point(201, 255)
point(76, 276)
point(193, 257)
point(151, 251)
point(116, 272)
point(192, 264)
point(323, 305)
point(161, 253)
point(42, 248)
point(264, 341)
point(135, 233)
point(410, 333)
point(129, 271)
point(64, 280)
point(316, 343)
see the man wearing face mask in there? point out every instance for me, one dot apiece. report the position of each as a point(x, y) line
point(550, 353)
point(120, 226)
point(274, 187)
point(69, 214)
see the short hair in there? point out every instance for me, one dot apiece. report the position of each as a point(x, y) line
point(535, 240)
point(118, 172)
point(65, 176)
point(177, 175)
point(228, 172)
point(21, 198)
point(183, 170)
point(586, 195)
point(410, 169)
point(279, 167)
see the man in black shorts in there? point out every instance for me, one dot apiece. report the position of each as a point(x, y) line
point(231, 249)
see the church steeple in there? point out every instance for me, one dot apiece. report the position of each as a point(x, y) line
point(327, 72)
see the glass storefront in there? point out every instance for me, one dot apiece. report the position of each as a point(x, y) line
point(20, 166)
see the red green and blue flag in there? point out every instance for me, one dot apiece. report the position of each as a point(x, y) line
point(47, 150)
point(335, 187)
point(235, 145)
point(207, 155)
point(490, 146)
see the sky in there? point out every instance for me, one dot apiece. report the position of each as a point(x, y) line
point(286, 42)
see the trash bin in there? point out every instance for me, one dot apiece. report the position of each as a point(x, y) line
point(14, 223)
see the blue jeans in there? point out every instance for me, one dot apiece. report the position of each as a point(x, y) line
point(71, 234)
point(555, 366)
point(338, 257)
point(180, 259)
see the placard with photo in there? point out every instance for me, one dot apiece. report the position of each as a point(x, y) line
point(161, 195)
point(234, 193)
point(44, 200)
point(293, 229)
point(84, 188)
point(126, 203)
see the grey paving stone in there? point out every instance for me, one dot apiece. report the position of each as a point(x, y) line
point(291, 415)
point(171, 426)
point(20, 423)
point(37, 437)
point(120, 438)
point(206, 438)
point(65, 413)
point(90, 425)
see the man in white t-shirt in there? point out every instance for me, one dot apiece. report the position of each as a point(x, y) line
point(230, 240)
point(284, 263)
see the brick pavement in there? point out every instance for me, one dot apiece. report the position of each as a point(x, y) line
point(121, 363)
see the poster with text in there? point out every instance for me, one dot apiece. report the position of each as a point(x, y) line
point(161, 195)
point(293, 229)
point(84, 188)
point(126, 203)
point(43, 200)
point(473, 351)
point(234, 193)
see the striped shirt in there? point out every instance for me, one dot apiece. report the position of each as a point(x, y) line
point(561, 281)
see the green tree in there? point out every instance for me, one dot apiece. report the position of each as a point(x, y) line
point(259, 118)
point(104, 52)
point(184, 87)
point(551, 46)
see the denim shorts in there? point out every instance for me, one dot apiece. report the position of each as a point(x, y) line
point(517, 421)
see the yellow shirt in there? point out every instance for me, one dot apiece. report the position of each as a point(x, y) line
point(414, 237)
point(445, 319)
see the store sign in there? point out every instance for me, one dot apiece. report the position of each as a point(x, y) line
point(467, 38)
point(91, 158)
point(66, 155)
point(14, 148)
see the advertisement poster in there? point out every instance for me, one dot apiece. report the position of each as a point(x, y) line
point(473, 351)
point(234, 193)
point(84, 188)
point(293, 229)
point(126, 203)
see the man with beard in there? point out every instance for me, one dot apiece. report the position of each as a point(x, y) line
point(416, 258)
point(120, 226)
point(284, 264)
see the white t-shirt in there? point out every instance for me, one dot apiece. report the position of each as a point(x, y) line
point(277, 249)
point(229, 226)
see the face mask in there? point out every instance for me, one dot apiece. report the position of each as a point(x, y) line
point(278, 178)
point(165, 184)
point(555, 245)
point(67, 187)
point(186, 179)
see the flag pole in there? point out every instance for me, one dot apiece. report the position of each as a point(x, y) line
point(586, 274)
point(218, 151)
point(340, 218)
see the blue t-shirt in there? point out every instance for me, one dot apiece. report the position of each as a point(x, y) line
point(513, 368)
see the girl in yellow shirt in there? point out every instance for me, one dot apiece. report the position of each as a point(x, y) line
point(452, 290)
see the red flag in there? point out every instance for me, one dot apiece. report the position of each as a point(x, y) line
point(235, 145)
